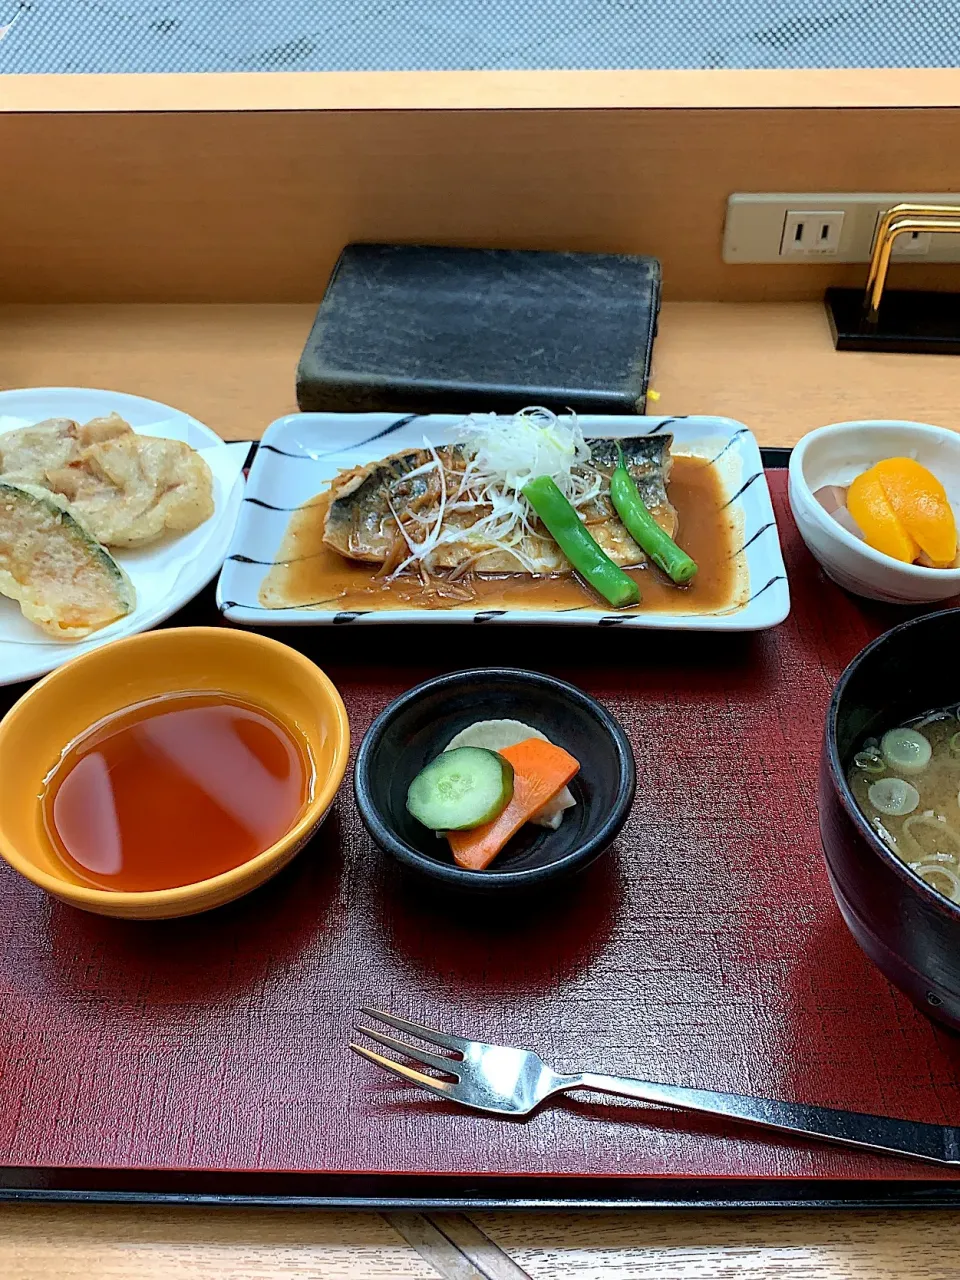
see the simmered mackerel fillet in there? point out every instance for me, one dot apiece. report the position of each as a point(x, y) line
point(365, 504)
point(128, 489)
point(60, 575)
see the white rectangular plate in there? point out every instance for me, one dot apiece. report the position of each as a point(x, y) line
point(300, 454)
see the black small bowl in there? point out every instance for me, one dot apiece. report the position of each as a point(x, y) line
point(907, 929)
point(415, 728)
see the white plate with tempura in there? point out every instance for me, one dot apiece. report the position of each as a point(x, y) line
point(114, 512)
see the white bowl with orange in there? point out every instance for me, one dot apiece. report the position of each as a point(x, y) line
point(876, 504)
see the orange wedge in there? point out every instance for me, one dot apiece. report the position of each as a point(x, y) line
point(920, 503)
point(882, 528)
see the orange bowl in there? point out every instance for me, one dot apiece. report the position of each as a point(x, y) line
point(71, 699)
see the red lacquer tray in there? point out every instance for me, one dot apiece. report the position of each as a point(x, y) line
point(206, 1058)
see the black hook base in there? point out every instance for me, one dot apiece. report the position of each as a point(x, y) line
point(909, 320)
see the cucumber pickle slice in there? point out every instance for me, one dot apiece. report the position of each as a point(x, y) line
point(461, 789)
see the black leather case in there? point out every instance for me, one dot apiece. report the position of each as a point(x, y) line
point(422, 328)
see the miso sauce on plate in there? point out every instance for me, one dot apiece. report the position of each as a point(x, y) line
point(175, 790)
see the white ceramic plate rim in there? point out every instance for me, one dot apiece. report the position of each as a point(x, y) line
point(14, 664)
point(768, 605)
point(834, 528)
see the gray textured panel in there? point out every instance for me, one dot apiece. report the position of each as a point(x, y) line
point(373, 35)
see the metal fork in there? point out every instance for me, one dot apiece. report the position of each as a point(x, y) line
point(514, 1082)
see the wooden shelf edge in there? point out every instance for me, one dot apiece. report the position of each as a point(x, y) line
point(770, 365)
point(480, 91)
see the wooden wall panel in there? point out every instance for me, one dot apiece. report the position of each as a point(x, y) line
point(255, 205)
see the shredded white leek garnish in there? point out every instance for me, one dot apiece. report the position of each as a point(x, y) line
point(481, 506)
point(535, 442)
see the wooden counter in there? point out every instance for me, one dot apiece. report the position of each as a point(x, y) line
point(113, 1243)
point(232, 366)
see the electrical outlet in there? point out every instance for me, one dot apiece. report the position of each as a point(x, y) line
point(808, 233)
point(808, 227)
point(915, 244)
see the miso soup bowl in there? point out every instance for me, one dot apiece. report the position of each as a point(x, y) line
point(106, 680)
point(906, 928)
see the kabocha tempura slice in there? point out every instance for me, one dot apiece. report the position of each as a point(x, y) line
point(62, 578)
point(540, 771)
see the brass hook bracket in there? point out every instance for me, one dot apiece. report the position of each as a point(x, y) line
point(915, 320)
point(902, 219)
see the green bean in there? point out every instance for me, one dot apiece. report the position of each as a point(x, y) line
point(870, 761)
point(644, 530)
point(578, 544)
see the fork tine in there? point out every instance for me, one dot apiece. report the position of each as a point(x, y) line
point(430, 1083)
point(442, 1038)
point(423, 1056)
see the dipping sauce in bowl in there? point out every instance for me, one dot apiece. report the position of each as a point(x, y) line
point(170, 772)
point(175, 790)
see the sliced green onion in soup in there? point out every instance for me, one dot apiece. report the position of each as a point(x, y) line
point(888, 838)
point(893, 796)
point(906, 750)
point(935, 717)
point(938, 876)
point(928, 837)
point(869, 760)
